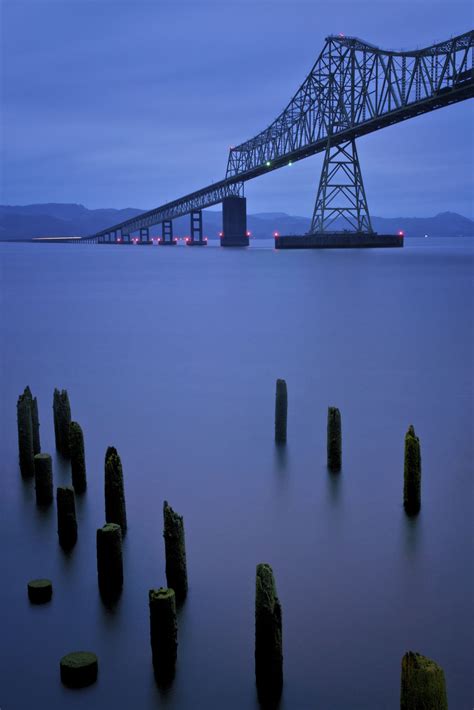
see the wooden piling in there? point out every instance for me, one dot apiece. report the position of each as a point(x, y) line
point(62, 420)
point(78, 461)
point(281, 411)
point(43, 479)
point(163, 631)
point(67, 524)
point(175, 552)
point(268, 638)
point(109, 560)
point(334, 439)
point(25, 434)
point(115, 509)
point(412, 473)
point(423, 686)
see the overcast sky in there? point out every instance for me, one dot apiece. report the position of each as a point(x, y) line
point(130, 104)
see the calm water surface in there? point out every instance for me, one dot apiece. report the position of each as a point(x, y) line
point(171, 355)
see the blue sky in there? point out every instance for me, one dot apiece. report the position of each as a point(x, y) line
point(130, 104)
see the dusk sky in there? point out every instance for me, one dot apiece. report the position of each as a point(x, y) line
point(133, 104)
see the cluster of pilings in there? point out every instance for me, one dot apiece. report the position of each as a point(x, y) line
point(69, 443)
point(412, 460)
point(422, 680)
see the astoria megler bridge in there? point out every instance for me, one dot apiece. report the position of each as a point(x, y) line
point(354, 88)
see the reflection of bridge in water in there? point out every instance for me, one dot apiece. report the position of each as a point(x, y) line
point(353, 89)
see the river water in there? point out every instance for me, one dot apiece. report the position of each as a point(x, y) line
point(171, 355)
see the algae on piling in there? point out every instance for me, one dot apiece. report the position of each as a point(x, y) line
point(175, 552)
point(268, 637)
point(423, 686)
point(78, 461)
point(412, 473)
point(115, 509)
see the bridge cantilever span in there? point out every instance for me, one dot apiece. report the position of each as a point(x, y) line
point(353, 89)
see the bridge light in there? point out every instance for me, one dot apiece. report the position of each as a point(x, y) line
point(248, 234)
point(401, 233)
point(290, 163)
point(268, 163)
point(221, 234)
point(276, 234)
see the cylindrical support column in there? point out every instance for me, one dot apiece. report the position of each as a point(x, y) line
point(412, 473)
point(175, 552)
point(281, 411)
point(43, 479)
point(268, 637)
point(423, 684)
point(67, 524)
point(115, 510)
point(62, 420)
point(25, 434)
point(78, 460)
point(163, 630)
point(109, 560)
point(334, 439)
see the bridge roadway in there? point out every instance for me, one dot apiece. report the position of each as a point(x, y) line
point(353, 89)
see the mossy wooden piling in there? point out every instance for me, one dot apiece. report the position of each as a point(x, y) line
point(109, 560)
point(25, 433)
point(40, 591)
point(115, 509)
point(281, 411)
point(334, 440)
point(412, 473)
point(43, 479)
point(34, 422)
point(423, 686)
point(67, 524)
point(79, 669)
point(62, 421)
point(268, 638)
point(175, 552)
point(163, 631)
point(77, 455)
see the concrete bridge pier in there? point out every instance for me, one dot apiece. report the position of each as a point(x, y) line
point(125, 237)
point(144, 235)
point(167, 234)
point(196, 239)
point(234, 222)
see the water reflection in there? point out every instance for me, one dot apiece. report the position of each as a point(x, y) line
point(411, 526)
point(334, 487)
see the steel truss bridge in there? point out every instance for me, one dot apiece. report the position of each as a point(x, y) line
point(353, 89)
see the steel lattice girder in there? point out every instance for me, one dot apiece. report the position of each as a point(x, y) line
point(355, 88)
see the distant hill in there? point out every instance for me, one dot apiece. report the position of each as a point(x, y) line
point(55, 220)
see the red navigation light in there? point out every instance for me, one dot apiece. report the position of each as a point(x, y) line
point(205, 239)
point(248, 234)
point(276, 234)
point(401, 233)
point(187, 240)
point(221, 234)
